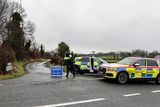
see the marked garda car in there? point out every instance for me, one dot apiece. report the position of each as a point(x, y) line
point(87, 63)
point(133, 68)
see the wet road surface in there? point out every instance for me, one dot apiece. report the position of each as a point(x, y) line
point(37, 88)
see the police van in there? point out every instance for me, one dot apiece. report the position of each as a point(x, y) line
point(88, 64)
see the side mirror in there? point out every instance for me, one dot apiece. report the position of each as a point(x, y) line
point(136, 64)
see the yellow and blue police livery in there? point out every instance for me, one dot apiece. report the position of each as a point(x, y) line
point(86, 63)
point(133, 68)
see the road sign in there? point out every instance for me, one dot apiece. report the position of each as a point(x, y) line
point(9, 67)
point(57, 71)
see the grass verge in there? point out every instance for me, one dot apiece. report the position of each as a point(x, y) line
point(19, 69)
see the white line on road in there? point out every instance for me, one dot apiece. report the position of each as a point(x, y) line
point(74, 103)
point(156, 91)
point(129, 95)
point(1, 85)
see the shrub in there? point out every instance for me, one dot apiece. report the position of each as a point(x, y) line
point(48, 55)
point(34, 54)
point(6, 55)
point(56, 60)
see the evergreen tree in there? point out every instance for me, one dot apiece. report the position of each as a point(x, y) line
point(15, 38)
point(62, 48)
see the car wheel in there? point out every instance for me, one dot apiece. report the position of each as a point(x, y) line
point(106, 79)
point(95, 72)
point(77, 69)
point(158, 79)
point(122, 77)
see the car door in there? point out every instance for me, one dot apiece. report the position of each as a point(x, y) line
point(97, 63)
point(152, 69)
point(84, 63)
point(140, 70)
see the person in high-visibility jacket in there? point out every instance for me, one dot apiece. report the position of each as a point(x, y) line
point(69, 64)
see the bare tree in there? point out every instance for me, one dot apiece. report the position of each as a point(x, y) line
point(7, 27)
point(7, 8)
point(29, 30)
point(4, 6)
point(16, 7)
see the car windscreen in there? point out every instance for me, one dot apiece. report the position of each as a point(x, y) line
point(101, 60)
point(128, 61)
point(77, 59)
point(158, 61)
point(84, 59)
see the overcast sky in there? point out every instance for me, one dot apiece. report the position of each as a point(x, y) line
point(96, 25)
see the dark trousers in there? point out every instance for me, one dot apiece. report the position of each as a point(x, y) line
point(70, 68)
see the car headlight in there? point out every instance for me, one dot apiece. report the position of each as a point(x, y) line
point(112, 69)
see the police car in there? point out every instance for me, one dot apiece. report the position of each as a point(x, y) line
point(133, 68)
point(87, 63)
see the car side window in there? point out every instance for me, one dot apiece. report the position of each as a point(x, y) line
point(77, 59)
point(141, 62)
point(84, 60)
point(96, 60)
point(151, 63)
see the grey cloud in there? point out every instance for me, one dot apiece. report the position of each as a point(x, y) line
point(100, 25)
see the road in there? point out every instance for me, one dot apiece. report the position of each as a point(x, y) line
point(37, 88)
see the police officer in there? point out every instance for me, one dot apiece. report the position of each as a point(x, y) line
point(69, 64)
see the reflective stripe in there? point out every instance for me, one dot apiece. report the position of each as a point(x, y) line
point(88, 64)
point(149, 68)
point(139, 72)
point(95, 63)
point(138, 68)
point(143, 75)
point(149, 75)
point(84, 63)
point(78, 63)
point(121, 69)
point(66, 58)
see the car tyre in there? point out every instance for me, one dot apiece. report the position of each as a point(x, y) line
point(106, 79)
point(122, 77)
point(158, 79)
point(77, 69)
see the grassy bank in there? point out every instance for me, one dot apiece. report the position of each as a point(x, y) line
point(18, 69)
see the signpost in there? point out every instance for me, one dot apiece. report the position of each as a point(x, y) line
point(9, 67)
point(57, 71)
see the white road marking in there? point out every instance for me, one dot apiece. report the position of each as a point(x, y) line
point(74, 103)
point(129, 95)
point(1, 85)
point(156, 91)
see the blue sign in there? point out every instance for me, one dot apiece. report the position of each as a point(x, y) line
point(56, 71)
